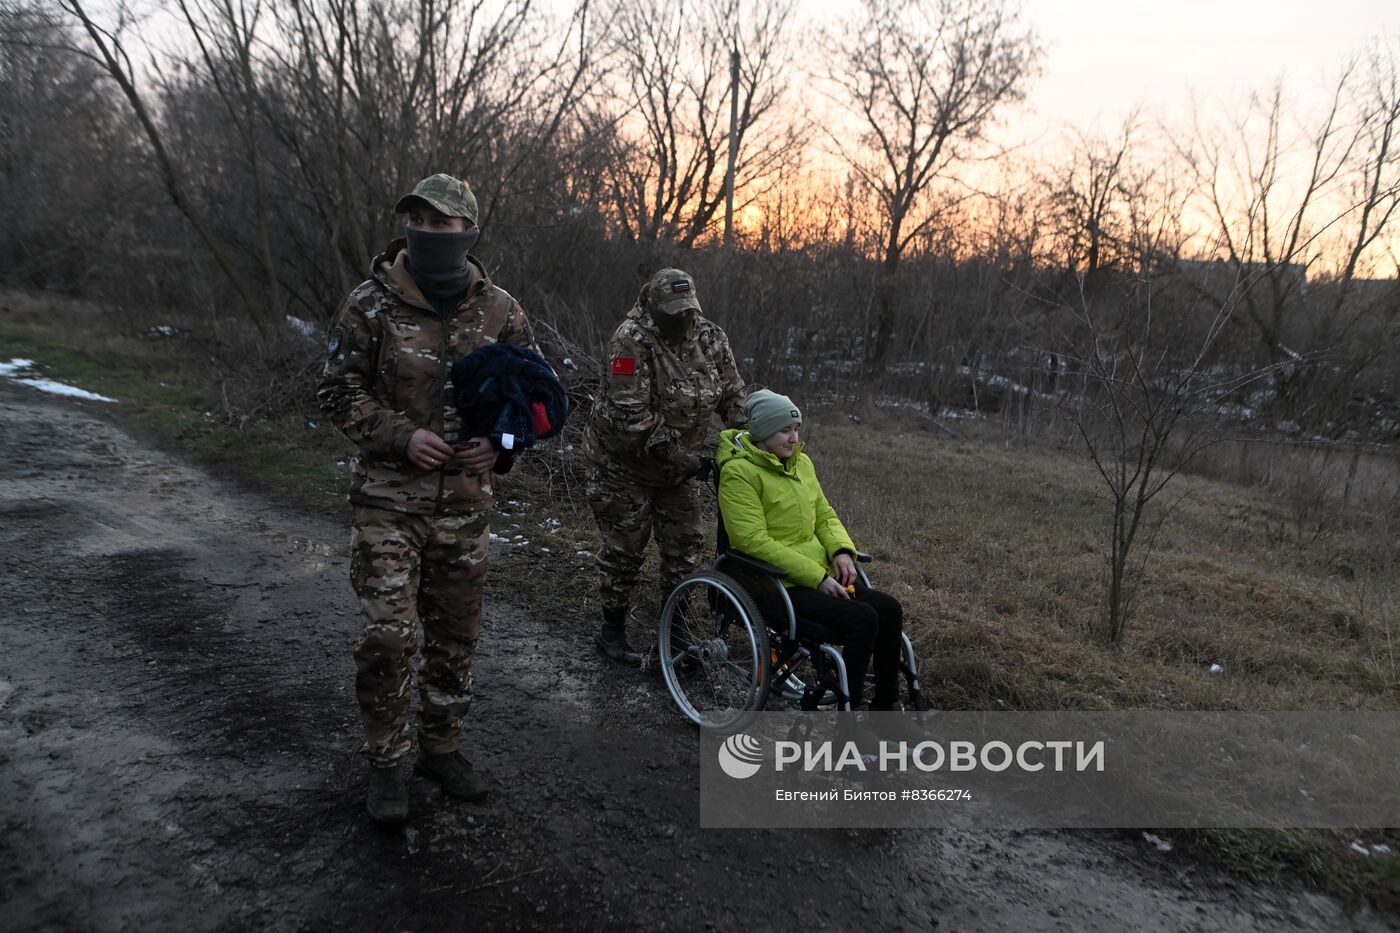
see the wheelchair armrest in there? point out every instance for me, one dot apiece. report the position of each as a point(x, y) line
point(863, 558)
point(754, 564)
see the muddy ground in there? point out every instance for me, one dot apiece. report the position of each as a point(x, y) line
point(178, 751)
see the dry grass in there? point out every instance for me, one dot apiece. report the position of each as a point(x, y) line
point(1000, 558)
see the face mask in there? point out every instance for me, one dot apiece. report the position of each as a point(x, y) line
point(438, 261)
point(672, 326)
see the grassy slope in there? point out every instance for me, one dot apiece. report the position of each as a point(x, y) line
point(1002, 565)
point(998, 555)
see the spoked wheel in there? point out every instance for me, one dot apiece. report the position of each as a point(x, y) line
point(714, 650)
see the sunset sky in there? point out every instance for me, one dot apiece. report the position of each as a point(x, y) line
point(1105, 56)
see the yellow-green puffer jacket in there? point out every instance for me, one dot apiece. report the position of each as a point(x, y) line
point(777, 512)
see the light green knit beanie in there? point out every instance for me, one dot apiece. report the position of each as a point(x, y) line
point(770, 412)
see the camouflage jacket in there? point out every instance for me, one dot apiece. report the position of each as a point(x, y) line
point(387, 373)
point(656, 406)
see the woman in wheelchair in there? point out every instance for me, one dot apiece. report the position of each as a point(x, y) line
point(773, 509)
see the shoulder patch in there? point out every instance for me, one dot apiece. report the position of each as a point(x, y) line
point(334, 340)
point(624, 366)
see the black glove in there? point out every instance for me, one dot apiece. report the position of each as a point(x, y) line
point(702, 468)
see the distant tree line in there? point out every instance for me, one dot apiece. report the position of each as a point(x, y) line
point(242, 158)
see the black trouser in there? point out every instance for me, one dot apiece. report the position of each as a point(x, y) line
point(871, 622)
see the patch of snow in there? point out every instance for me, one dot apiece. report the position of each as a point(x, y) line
point(583, 553)
point(1216, 669)
point(1242, 412)
point(1010, 385)
point(1160, 844)
point(305, 328)
point(13, 369)
point(1359, 849)
point(1380, 849)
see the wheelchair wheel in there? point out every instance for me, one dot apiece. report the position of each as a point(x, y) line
point(713, 648)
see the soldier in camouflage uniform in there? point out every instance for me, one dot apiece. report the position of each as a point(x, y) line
point(420, 537)
point(670, 370)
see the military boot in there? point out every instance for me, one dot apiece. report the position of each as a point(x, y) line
point(387, 799)
point(612, 637)
point(454, 773)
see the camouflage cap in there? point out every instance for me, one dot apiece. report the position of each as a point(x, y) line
point(445, 194)
point(672, 291)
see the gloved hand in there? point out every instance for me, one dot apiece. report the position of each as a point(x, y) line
point(702, 468)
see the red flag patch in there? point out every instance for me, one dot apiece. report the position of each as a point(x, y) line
point(624, 366)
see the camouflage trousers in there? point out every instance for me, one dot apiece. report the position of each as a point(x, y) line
point(627, 513)
point(407, 570)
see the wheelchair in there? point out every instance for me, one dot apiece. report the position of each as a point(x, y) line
point(729, 645)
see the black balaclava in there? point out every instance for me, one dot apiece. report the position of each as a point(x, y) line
point(438, 264)
point(671, 326)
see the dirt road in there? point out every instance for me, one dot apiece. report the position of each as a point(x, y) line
point(178, 736)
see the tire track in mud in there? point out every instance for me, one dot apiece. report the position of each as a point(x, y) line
point(178, 752)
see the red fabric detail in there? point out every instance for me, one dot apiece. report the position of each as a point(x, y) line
point(540, 417)
point(624, 366)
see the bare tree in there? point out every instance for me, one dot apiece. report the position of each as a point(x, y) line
point(108, 50)
point(365, 98)
point(922, 82)
point(1091, 190)
point(65, 139)
point(224, 33)
point(1292, 204)
point(1145, 400)
point(666, 106)
point(304, 121)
